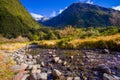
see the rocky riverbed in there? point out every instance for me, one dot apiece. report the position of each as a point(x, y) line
point(34, 63)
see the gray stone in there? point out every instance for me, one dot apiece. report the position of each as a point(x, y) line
point(34, 67)
point(76, 78)
point(110, 77)
point(54, 55)
point(30, 67)
point(50, 52)
point(42, 64)
point(56, 59)
point(34, 61)
point(56, 73)
point(69, 78)
point(38, 66)
point(59, 61)
point(25, 77)
point(104, 69)
point(34, 76)
point(71, 57)
point(64, 63)
point(30, 56)
point(106, 51)
point(18, 68)
point(36, 71)
point(42, 76)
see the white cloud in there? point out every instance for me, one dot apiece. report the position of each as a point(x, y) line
point(36, 16)
point(61, 10)
point(53, 14)
point(116, 8)
point(89, 2)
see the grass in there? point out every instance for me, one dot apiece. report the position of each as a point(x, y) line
point(111, 42)
point(12, 46)
point(5, 68)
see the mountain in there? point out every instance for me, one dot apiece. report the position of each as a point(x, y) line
point(39, 17)
point(36, 16)
point(14, 19)
point(85, 15)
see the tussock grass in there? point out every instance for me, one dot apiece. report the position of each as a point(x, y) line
point(12, 46)
point(111, 42)
point(5, 67)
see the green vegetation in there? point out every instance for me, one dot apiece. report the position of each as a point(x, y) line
point(5, 64)
point(70, 33)
point(88, 38)
point(15, 20)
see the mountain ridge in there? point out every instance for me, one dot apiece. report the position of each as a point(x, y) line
point(83, 15)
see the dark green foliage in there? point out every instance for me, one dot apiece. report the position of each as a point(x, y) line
point(63, 43)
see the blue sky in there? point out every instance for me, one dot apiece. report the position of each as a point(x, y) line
point(51, 8)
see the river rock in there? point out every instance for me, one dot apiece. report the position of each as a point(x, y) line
point(29, 56)
point(18, 68)
point(33, 76)
point(54, 55)
point(106, 51)
point(38, 66)
point(110, 77)
point(64, 63)
point(42, 64)
point(34, 67)
point(42, 76)
point(103, 68)
point(69, 78)
point(71, 57)
point(76, 78)
point(25, 77)
point(56, 73)
point(56, 59)
point(36, 71)
point(59, 61)
point(50, 52)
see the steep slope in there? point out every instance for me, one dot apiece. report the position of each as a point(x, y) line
point(83, 15)
point(14, 19)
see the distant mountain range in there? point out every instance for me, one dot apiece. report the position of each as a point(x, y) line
point(85, 15)
point(39, 17)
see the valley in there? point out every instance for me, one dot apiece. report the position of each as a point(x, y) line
point(80, 42)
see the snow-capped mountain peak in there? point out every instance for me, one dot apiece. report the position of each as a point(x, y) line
point(36, 16)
